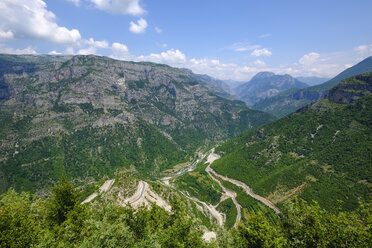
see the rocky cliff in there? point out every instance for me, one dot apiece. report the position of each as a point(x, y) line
point(86, 116)
point(352, 89)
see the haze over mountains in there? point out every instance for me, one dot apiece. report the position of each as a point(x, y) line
point(291, 100)
point(264, 85)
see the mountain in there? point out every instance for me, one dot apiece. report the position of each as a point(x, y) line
point(312, 81)
point(322, 152)
point(233, 84)
point(291, 100)
point(264, 85)
point(216, 86)
point(86, 116)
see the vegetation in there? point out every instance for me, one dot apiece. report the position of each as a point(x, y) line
point(87, 116)
point(198, 184)
point(322, 153)
point(291, 100)
point(60, 221)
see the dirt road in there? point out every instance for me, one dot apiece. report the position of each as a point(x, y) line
point(245, 187)
point(104, 188)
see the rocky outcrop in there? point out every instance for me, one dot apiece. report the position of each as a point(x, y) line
point(88, 115)
point(351, 89)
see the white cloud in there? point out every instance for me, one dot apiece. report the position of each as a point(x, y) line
point(90, 46)
point(138, 27)
point(242, 47)
point(31, 19)
point(120, 48)
point(170, 57)
point(6, 35)
point(131, 7)
point(87, 51)
point(27, 50)
point(96, 44)
point(69, 51)
point(259, 63)
point(120, 51)
point(309, 58)
point(158, 30)
point(264, 52)
point(54, 52)
point(364, 50)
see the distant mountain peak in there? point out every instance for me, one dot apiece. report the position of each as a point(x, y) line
point(266, 84)
point(263, 74)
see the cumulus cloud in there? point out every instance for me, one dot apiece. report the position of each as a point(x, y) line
point(96, 44)
point(309, 58)
point(27, 50)
point(264, 52)
point(54, 52)
point(170, 57)
point(131, 7)
point(138, 27)
point(364, 50)
point(6, 35)
point(90, 46)
point(31, 19)
point(222, 71)
point(87, 51)
point(120, 51)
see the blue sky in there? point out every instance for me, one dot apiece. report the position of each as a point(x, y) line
point(226, 39)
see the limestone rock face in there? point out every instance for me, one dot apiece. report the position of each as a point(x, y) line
point(100, 107)
point(352, 89)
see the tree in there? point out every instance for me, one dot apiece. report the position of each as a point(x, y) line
point(258, 232)
point(17, 226)
point(62, 200)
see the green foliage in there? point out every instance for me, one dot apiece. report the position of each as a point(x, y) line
point(228, 208)
point(198, 184)
point(291, 100)
point(62, 200)
point(25, 221)
point(311, 226)
point(92, 152)
point(18, 226)
point(322, 153)
point(257, 232)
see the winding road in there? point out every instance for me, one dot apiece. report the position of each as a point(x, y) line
point(247, 190)
point(139, 194)
point(240, 184)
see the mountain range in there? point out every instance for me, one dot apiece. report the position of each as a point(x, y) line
point(264, 85)
point(86, 116)
point(293, 99)
point(322, 152)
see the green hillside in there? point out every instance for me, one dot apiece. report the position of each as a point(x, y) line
point(291, 100)
point(322, 152)
point(87, 116)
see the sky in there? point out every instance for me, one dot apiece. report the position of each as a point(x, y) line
point(229, 40)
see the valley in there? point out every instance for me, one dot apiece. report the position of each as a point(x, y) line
point(153, 141)
point(185, 124)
